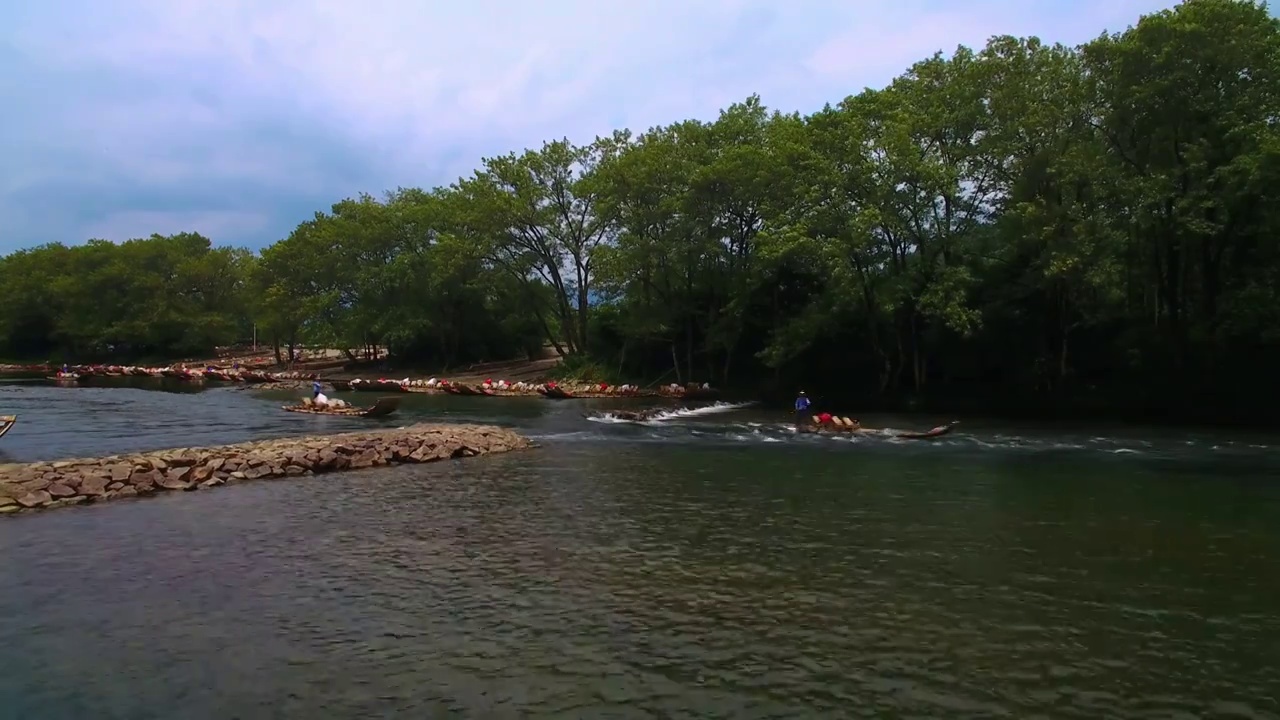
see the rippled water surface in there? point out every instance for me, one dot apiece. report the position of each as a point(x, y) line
point(711, 564)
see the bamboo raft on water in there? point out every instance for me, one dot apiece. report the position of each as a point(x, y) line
point(845, 425)
point(464, 389)
point(690, 393)
point(383, 407)
point(928, 434)
point(559, 393)
point(374, 386)
point(6, 423)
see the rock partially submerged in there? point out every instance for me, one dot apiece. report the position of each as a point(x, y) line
point(34, 486)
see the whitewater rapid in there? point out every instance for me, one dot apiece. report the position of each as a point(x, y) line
point(716, 424)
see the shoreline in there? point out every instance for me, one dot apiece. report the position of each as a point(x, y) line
point(329, 363)
point(299, 380)
point(952, 403)
point(28, 487)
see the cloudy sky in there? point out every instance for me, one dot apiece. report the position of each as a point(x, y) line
point(240, 118)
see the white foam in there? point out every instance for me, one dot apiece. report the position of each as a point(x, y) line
point(666, 415)
point(712, 409)
point(778, 432)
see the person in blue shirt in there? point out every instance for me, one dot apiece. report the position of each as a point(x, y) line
point(802, 409)
point(318, 397)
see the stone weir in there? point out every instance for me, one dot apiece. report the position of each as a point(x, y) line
point(34, 486)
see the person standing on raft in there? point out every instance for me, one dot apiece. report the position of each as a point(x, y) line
point(802, 410)
point(317, 397)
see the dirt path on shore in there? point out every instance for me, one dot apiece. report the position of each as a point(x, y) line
point(329, 362)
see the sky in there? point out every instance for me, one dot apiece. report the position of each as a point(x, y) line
point(239, 119)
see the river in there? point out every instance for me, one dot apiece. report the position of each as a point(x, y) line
point(711, 565)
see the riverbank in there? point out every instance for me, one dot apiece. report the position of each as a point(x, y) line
point(47, 485)
point(336, 372)
point(81, 376)
point(260, 370)
point(327, 363)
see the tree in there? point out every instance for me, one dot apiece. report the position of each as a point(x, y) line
point(164, 296)
point(536, 218)
point(1023, 223)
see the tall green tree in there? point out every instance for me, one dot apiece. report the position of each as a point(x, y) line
point(536, 218)
point(1023, 222)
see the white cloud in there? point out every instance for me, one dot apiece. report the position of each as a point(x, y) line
point(317, 97)
point(142, 223)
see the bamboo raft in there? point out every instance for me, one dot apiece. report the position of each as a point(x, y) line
point(510, 393)
point(697, 393)
point(6, 423)
point(553, 392)
point(461, 389)
point(928, 434)
point(838, 424)
point(373, 386)
point(846, 425)
point(559, 393)
point(383, 407)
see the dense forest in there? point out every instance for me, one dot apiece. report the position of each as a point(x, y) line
point(1026, 224)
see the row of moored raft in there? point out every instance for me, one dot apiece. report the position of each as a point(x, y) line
point(489, 387)
point(504, 388)
point(234, 374)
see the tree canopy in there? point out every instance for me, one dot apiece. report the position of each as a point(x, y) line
point(1088, 224)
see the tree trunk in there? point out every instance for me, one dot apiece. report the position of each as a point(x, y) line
point(902, 359)
point(688, 346)
point(1064, 331)
point(583, 316)
point(917, 357)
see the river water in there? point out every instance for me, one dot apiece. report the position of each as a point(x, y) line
point(710, 565)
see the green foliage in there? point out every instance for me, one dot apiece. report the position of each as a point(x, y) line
point(1034, 219)
point(402, 274)
point(161, 296)
point(582, 369)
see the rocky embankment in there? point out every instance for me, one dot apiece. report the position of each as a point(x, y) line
point(34, 486)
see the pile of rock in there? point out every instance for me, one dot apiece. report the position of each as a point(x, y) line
point(74, 482)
